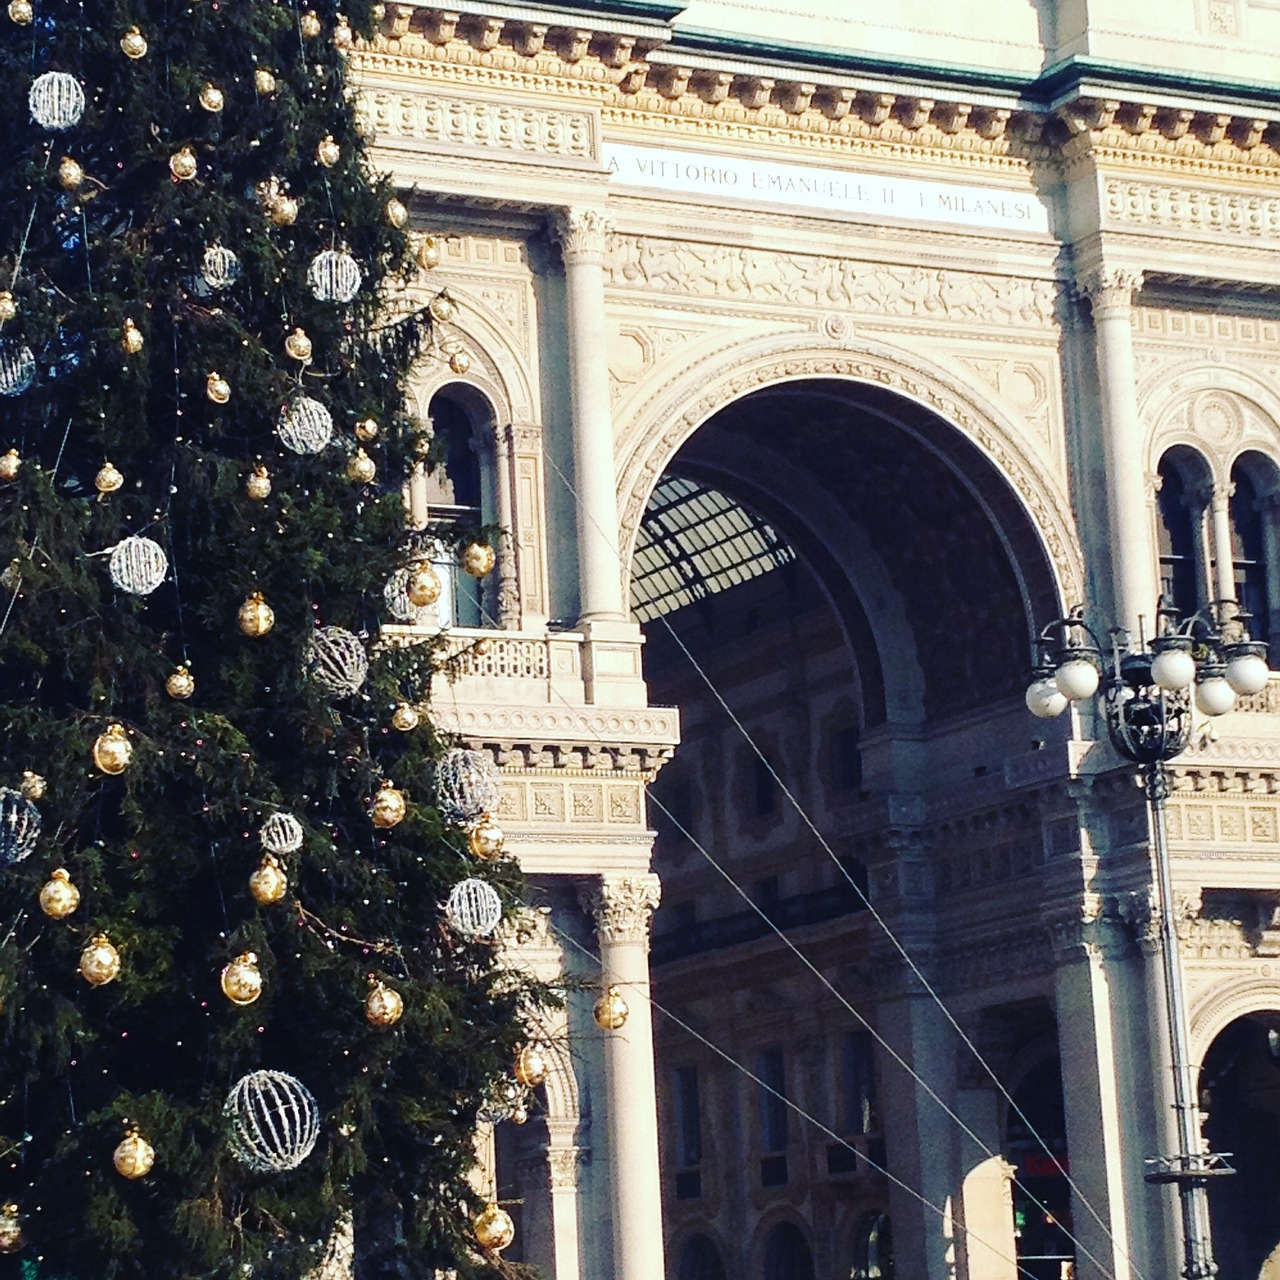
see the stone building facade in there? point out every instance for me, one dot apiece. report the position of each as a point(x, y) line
point(972, 309)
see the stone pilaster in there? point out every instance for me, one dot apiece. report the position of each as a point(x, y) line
point(622, 907)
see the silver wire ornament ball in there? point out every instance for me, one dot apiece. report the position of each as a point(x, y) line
point(334, 276)
point(138, 565)
point(17, 368)
point(468, 786)
point(335, 660)
point(474, 909)
point(274, 1121)
point(56, 100)
point(306, 426)
point(219, 268)
point(281, 833)
point(19, 826)
point(396, 594)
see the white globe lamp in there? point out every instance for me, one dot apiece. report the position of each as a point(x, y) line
point(1247, 669)
point(1214, 696)
point(1173, 668)
point(1044, 699)
point(1077, 679)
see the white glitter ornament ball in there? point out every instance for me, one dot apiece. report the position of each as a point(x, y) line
point(306, 426)
point(396, 594)
point(335, 659)
point(17, 368)
point(19, 826)
point(468, 786)
point(274, 1121)
point(474, 908)
point(334, 276)
point(138, 565)
point(56, 100)
point(219, 268)
point(281, 833)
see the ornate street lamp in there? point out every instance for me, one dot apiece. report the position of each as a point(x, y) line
point(1146, 694)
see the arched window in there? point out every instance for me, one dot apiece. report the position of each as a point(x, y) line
point(1178, 540)
point(700, 1260)
point(1249, 552)
point(873, 1248)
point(787, 1255)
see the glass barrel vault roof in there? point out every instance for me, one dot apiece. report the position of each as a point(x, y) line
point(695, 541)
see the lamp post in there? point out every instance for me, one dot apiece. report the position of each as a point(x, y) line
point(1146, 694)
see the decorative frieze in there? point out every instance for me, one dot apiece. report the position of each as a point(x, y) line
point(518, 130)
point(735, 274)
point(1191, 209)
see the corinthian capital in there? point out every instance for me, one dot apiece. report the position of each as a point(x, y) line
point(1110, 290)
point(583, 234)
point(622, 906)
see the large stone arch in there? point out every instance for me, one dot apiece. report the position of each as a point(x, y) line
point(1214, 1011)
point(700, 390)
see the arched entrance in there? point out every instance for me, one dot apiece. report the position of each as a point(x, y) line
point(1240, 1099)
point(846, 576)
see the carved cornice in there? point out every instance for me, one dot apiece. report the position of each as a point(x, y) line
point(618, 69)
point(622, 906)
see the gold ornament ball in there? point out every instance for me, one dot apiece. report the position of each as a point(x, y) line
point(367, 429)
point(493, 1228)
point(460, 361)
point(389, 806)
point(99, 961)
point(309, 25)
point(429, 253)
point(383, 1006)
point(298, 346)
point(133, 44)
point(443, 308)
point(405, 717)
point(10, 465)
point(283, 211)
point(268, 883)
point(610, 1010)
point(531, 1066)
point(32, 786)
point(423, 585)
point(10, 1224)
point(59, 897)
point(134, 1156)
point(181, 684)
point(242, 979)
point(264, 82)
point(520, 1114)
point(361, 468)
point(486, 839)
point(70, 174)
point(182, 164)
point(256, 616)
point(328, 153)
point(217, 388)
point(258, 483)
point(21, 12)
point(395, 212)
point(8, 307)
point(131, 339)
point(112, 750)
point(478, 559)
point(108, 479)
point(211, 98)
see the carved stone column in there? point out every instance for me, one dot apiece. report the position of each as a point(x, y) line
point(622, 906)
point(564, 1161)
point(1130, 551)
point(523, 444)
point(1100, 1007)
point(1224, 569)
point(583, 238)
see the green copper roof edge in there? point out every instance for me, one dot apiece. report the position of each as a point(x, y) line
point(653, 10)
point(1050, 86)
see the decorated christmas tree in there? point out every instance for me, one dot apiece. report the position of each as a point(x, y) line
point(252, 997)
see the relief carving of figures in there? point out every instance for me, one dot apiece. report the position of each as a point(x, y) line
point(758, 275)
